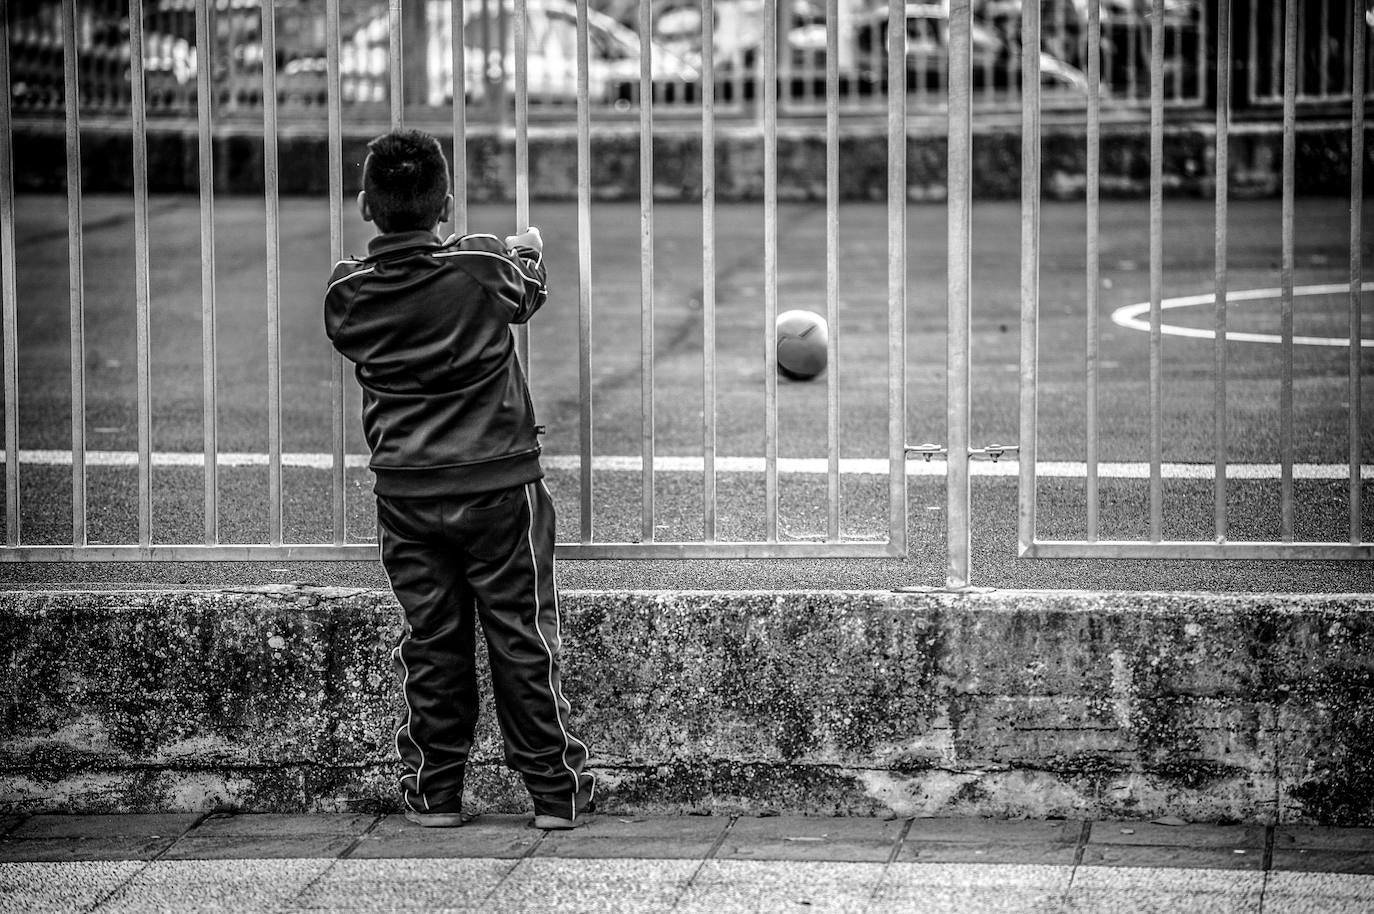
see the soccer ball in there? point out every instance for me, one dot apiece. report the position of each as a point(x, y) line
point(802, 337)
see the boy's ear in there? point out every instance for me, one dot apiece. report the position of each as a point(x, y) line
point(364, 208)
point(447, 212)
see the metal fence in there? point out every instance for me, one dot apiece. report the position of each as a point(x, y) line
point(147, 548)
point(1220, 546)
point(962, 94)
point(1326, 50)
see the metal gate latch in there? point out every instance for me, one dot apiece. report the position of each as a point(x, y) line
point(925, 450)
point(992, 452)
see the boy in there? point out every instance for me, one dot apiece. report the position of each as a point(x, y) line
point(465, 521)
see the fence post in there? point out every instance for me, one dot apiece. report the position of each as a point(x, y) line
point(957, 347)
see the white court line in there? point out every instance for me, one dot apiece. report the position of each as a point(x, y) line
point(1129, 315)
point(813, 466)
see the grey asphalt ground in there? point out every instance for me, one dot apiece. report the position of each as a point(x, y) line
point(359, 862)
point(1320, 417)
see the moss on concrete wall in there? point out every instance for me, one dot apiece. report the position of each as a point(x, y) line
point(1214, 707)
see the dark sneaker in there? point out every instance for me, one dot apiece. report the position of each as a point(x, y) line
point(558, 823)
point(440, 815)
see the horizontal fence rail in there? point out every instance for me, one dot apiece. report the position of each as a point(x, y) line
point(1286, 40)
point(231, 79)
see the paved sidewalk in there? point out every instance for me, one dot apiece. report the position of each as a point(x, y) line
point(498, 863)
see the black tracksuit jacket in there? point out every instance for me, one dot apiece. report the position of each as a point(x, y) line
point(446, 408)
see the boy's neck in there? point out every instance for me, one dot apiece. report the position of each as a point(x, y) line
point(384, 241)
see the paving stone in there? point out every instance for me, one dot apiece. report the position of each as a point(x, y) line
point(502, 837)
point(158, 825)
point(593, 886)
point(1348, 839)
point(798, 838)
point(1322, 860)
point(1216, 858)
point(781, 886)
point(693, 828)
point(1031, 841)
point(986, 852)
point(1164, 891)
point(259, 847)
point(1319, 893)
point(953, 888)
point(647, 837)
point(996, 831)
point(278, 824)
point(1193, 835)
point(215, 885)
point(405, 885)
point(115, 847)
point(60, 887)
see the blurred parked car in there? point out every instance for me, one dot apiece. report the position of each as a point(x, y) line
point(613, 65)
point(489, 59)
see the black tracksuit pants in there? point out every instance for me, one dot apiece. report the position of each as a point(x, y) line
point(488, 555)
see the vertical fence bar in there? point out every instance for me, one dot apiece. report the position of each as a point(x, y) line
point(832, 271)
point(769, 88)
point(522, 146)
point(896, 281)
point(959, 280)
point(1323, 48)
point(337, 395)
point(1221, 223)
point(1353, 24)
point(1061, 32)
point(782, 11)
point(1290, 54)
point(1094, 281)
point(708, 269)
point(1300, 75)
point(1200, 59)
point(1275, 58)
point(646, 269)
point(1133, 46)
point(459, 66)
point(584, 271)
point(1175, 60)
point(208, 349)
point(271, 194)
point(1357, 89)
point(71, 96)
point(1156, 266)
point(9, 304)
point(233, 65)
point(395, 65)
point(1252, 55)
point(1030, 268)
point(142, 304)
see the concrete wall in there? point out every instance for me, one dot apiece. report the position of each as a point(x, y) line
point(1322, 164)
point(1211, 707)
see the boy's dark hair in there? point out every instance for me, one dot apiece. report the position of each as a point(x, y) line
point(406, 180)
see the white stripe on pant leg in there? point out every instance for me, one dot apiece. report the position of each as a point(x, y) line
point(558, 630)
point(557, 699)
point(399, 654)
point(410, 715)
